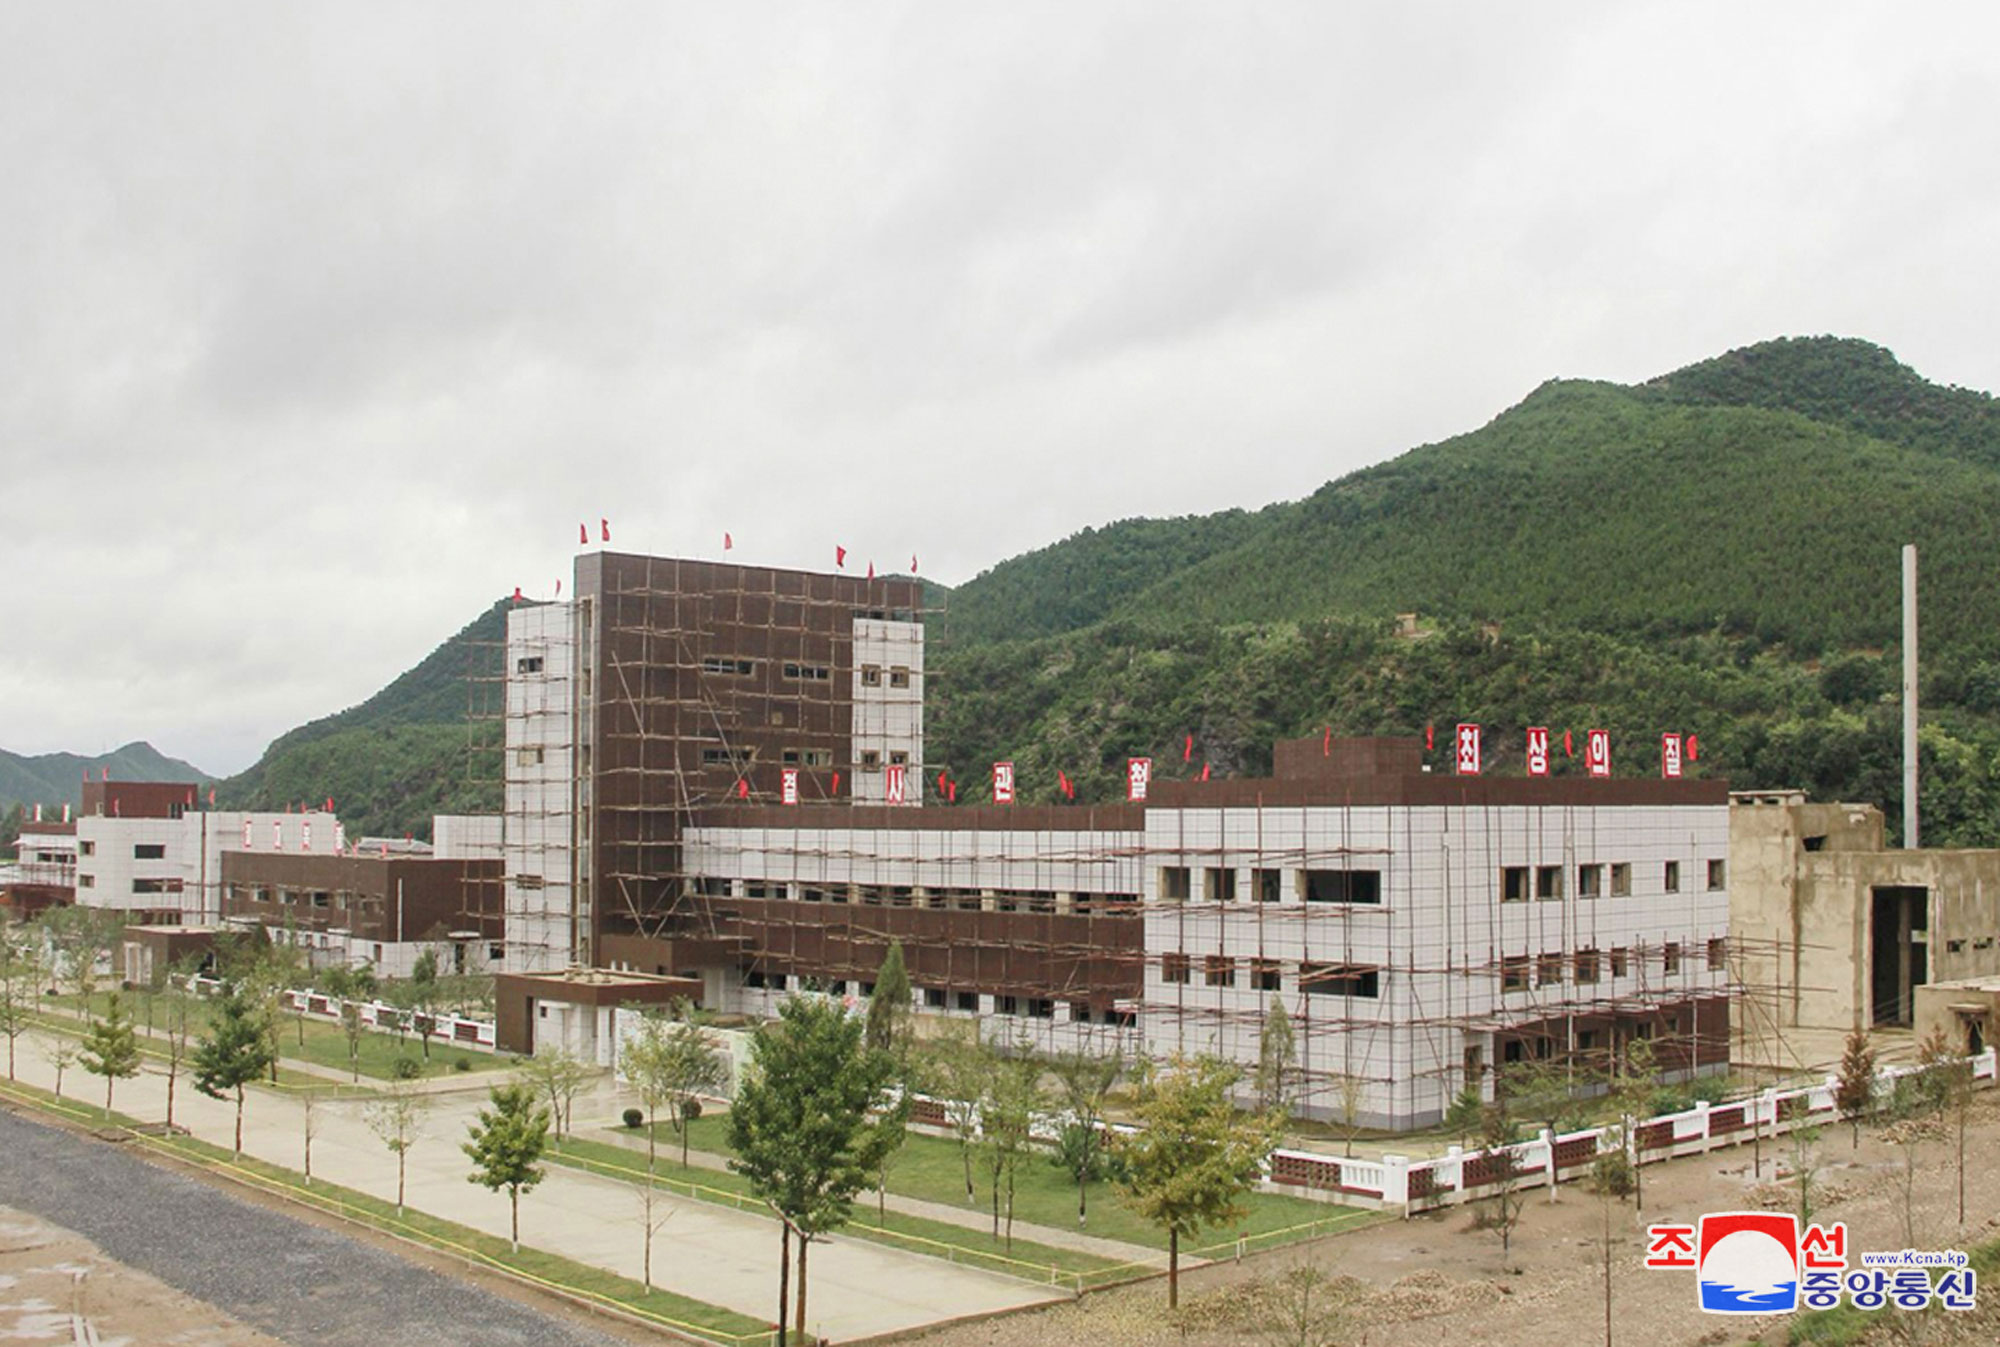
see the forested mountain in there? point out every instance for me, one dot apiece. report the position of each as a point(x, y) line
point(56, 779)
point(1712, 552)
point(401, 756)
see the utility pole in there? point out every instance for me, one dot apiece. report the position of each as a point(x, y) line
point(1910, 696)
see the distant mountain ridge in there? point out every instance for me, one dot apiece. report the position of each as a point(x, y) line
point(56, 779)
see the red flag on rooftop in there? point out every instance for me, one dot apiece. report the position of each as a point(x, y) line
point(1430, 737)
point(517, 593)
point(954, 791)
point(840, 556)
point(605, 525)
point(1326, 743)
point(558, 589)
point(211, 797)
point(583, 535)
point(1062, 783)
point(835, 792)
point(913, 563)
point(871, 570)
point(329, 804)
point(1204, 771)
point(1187, 750)
point(1693, 747)
point(1569, 749)
point(742, 789)
point(942, 778)
point(727, 541)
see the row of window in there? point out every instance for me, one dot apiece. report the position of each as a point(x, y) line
point(1267, 975)
point(1219, 884)
point(903, 895)
point(945, 998)
point(141, 851)
point(871, 676)
point(1585, 965)
point(1595, 880)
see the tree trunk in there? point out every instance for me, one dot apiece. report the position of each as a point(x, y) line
point(784, 1277)
point(652, 1141)
point(685, 1129)
point(400, 1157)
point(1173, 1269)
point(173, 1069)
point(799, 1325)
point(109, 1081)
point(996, 1204)
point(514, 1215)
point(239, 1122)
point(965, 1154)
point(646, 1263)
point(1082, 1198)
point(10, 1057)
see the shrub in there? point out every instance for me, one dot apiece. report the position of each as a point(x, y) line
point(1611, 1173)
point(633, 1118)
point(691, 1110)
point(406, 1068)
point(461, 1064)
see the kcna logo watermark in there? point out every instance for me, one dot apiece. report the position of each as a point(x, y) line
point(1755, 1262)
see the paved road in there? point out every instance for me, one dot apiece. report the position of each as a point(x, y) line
point(307, 1285)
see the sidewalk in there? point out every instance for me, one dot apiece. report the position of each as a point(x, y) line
point(607, 1130)
point(707, 1252)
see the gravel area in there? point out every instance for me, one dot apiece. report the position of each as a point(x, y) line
point(299, 1282)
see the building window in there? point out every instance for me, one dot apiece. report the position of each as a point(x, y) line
point(86, 881)
point(871, 758)
point(149, 851)
point(1548, 882)
point(728, 666)
point(156, 886)
point(1041, 1008)
point(86, 848)
point(727, 757)
point(899, 758)
point(1174, 968)
point(808, 673)
point(1549, 970)
point(1718, 955)
point(1220, 971)
point(969, 1001)
point(1264, 975)
point(899, 677)
point(1514, 884)
point(819, 757)
point(1620, 959)
point(528, 757)
point(1079, 1012)
point(1514, 973)
point(528, 664)
point(1670, 879)
point(1006, 1005)
point(1332, 979)
point(1219, 884)
point(1267, 885)
point(1621, 879)
point(1174, 884)
point(1589, 881)
point(1717, 875)
point(871, 675)
point(1586, 965)
point(1343, 886)
point(1670, 958)
point(527, 881)
point(934, 998)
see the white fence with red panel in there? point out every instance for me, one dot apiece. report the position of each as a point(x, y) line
point(459, 1031)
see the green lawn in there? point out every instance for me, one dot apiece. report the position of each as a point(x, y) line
point(930, 1168)
point(694, 1316)
point(310, 1040)
point(1023, 1258)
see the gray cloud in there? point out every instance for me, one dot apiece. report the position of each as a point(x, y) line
point(319, 329)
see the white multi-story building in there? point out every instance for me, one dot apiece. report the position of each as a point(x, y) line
point(538, 812)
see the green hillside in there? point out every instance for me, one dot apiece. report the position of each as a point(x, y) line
point(56, 779)
point(399, 757)
point(1712, 552)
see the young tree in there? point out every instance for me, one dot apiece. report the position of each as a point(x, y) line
point(1277, 1060)
point(177, 1030)
point(507, 1141)
point(1085, 1081)
point(1502, 1210)
point(309, 1121)
point(111, 1048)
point(60, 1054)
point(960, 1067)
point(672, 1065)
point(888, 1026)
point(1854, 1094)
point(558, 1077)
point(1805, 1169)
point(1461, 1120)
point(1634, 1078)
point(423, 994)
point(21, 976)
point(800, 1127)
point(648, 1199)
point(1304, 1309)
point(78, 937)
point(1195, 1155)
point(235, 1051)
point(350, 987)
point(396, 1117)
point(1349, 1092)
point(1007, 1115)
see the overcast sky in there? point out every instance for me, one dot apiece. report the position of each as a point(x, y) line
point(321, 327)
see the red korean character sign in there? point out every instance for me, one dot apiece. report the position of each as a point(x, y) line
point(895, 782)
point(1670, 756)
point(1597, 752)
point(788, 785)
point(1003, 783)
point(1138, 776)
point(1467, 757)
point(1670, 1246)
point(1538, 751)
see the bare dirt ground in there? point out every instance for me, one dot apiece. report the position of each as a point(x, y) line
point(1440, 1279)
point(56, 1286)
